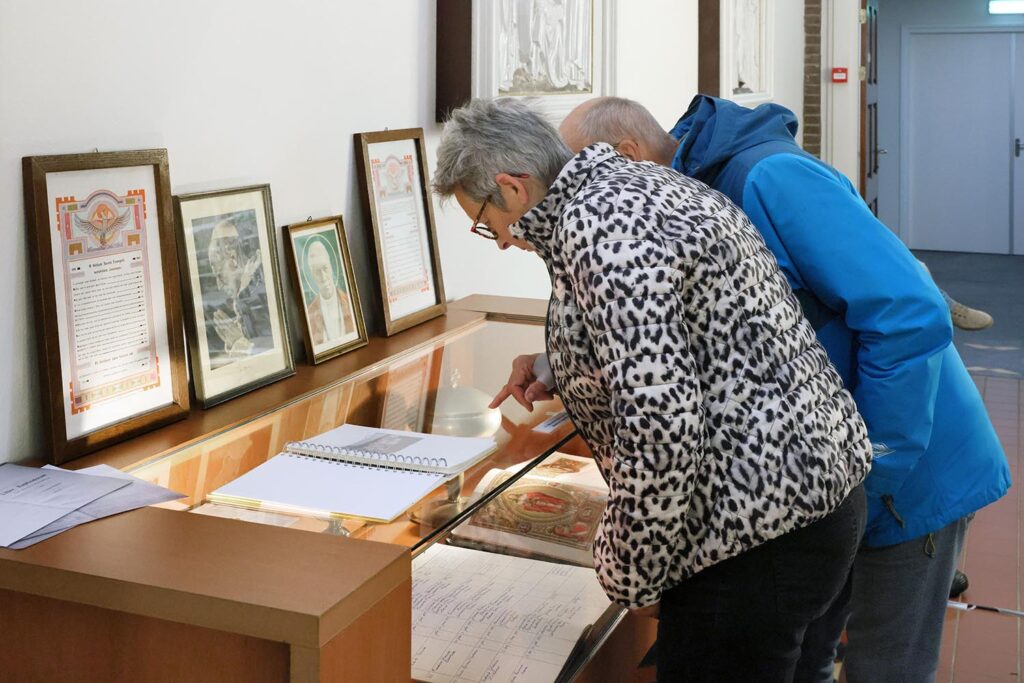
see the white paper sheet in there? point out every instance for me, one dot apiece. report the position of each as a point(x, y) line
point(136, 494)
point(480, 616)
point(31, 498)
point(298, 483)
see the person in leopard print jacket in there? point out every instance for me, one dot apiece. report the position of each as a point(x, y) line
point(733, 454)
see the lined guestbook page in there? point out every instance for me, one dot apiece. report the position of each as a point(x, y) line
point(480, 616)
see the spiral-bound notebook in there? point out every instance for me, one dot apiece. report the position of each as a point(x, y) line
point(393, 448)
point(364, 472)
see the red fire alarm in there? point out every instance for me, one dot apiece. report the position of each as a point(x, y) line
point(840, 74)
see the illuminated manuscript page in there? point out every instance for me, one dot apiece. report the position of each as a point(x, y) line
point(398, 195)
point(108, 285)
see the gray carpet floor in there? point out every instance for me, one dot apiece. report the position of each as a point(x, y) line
point(994, 284)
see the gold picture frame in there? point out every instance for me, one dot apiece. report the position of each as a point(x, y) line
point(325, 287)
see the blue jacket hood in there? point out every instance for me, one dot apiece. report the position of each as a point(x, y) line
point(714, 130)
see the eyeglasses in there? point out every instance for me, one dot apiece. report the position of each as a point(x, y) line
point(479, 228)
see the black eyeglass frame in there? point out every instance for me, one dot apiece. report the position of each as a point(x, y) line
point(479, 228)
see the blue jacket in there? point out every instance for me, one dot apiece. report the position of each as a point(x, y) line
point(877, 311)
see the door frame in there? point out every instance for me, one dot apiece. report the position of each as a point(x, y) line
point(904, 88)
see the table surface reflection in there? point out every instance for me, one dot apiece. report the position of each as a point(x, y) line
point(442, 387)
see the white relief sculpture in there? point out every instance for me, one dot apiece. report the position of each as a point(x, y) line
point(545, 47)
point(748, 39)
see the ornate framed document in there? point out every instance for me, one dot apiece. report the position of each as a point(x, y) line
point(325, 286)
point(234, 312)
point(393, 176)
point(108, 312)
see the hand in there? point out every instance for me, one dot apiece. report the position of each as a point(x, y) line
point(651, 611)
point(522, 384)
point(230, 331)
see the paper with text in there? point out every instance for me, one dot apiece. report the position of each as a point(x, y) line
point(485, 617)
point(31, 498)
point(136, 494)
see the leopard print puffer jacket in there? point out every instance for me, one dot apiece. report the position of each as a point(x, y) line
point(684, 360)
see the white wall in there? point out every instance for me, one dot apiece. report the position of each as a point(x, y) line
point(841, 101)
point(253, 92)
point(788, 60)
point(893, 16)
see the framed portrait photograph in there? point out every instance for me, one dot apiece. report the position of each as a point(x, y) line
point(393, 177)
point(234, 312)
point(325, 286)
point(559, 52)
point(107, 298)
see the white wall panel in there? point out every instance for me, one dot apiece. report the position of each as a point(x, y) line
point(251, 92)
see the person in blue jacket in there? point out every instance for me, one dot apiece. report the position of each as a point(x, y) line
point(886, 329)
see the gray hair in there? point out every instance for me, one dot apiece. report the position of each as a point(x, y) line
point(613, 119)
point(488, 137)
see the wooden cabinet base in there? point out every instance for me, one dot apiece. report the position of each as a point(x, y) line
point(97, 644)
point(375, 647)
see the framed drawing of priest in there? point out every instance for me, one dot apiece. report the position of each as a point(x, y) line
point(325, 287)
point(235, 319)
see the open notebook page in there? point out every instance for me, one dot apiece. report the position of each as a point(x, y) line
point(289, 482)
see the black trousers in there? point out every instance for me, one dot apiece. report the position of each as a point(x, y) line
point(744, 619)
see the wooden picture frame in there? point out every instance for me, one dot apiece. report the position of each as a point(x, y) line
point(234, 310)
point(393, 179)
point(107, 298)
point(321, 269)
point(558, 55)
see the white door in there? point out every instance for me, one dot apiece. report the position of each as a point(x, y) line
point(1017, 197)
point(958, 132)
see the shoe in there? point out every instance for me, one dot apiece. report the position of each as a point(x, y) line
point(967, 318)
point(959, 584)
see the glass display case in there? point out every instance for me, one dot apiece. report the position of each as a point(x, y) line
point(443, 387)
point(527, 499)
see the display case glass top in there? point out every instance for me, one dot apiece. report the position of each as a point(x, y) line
point(441, 387)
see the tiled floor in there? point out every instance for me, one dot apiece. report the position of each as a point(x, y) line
point(982, 646)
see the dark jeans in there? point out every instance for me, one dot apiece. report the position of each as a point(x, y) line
point(898, 603)
point(744, 619)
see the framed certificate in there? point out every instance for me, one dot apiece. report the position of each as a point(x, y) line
point(234, 312)
point(393, 176)
point(108, 312)
point(325, 286)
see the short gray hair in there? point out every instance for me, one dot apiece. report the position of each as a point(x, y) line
point(614, 119)
point(488, 137)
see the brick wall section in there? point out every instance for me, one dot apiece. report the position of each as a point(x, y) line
point(812, 77)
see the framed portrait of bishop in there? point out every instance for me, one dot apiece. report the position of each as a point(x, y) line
point(325, 287)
